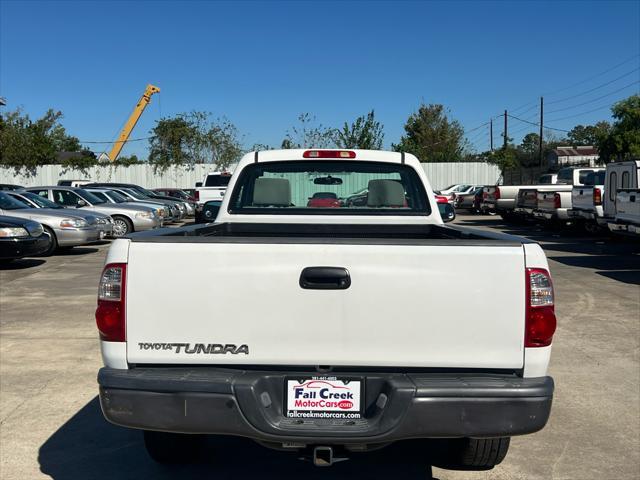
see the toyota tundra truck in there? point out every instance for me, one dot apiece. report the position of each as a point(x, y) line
point(327, 331)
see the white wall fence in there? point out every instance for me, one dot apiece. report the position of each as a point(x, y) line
point(440, 175)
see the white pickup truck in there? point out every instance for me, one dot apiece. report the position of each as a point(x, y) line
point(586, 202)
point(324, 328)
point(503, 199)
point(555, 203)
point(212, 187)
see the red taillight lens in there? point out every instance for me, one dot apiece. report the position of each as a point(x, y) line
point(110, 314)
point(197, 194)
point(540, 322)
point(556, 200)
point(597, 196)
point(496, 194)
point(329, 154)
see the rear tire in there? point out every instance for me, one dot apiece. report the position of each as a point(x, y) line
point(475, 453)
point(121, 226)
point(173, 448)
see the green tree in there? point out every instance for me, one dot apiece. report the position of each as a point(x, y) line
point(365, 133)
point(192, 138)
point(504, 158)
point(623, 139)
point(27, 144)
point(432, 137)
point(309, 134)
point(581, 135)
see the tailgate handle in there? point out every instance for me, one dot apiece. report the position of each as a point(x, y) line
point(325, 278)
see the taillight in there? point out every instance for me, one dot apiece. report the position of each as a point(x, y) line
point(540, 322)
point(597, 196)
point(197, 196)
point(556, 200)
point(496, 194)
point(329, 154)
point(110, 314)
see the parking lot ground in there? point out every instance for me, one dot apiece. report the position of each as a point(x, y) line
point(51, 425)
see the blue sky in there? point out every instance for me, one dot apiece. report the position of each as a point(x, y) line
point(262, 63)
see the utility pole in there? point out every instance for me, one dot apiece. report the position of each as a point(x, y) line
point(504, 145)
point(491, 133)
point(541, 123)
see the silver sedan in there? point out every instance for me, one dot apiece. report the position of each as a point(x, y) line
point(105, 223)
point(126, 218)
point(64, 228)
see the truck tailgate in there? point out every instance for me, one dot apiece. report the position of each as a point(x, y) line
point(445, 306)
point(582, 198)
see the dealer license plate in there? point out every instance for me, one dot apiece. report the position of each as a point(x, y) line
point(324, 397)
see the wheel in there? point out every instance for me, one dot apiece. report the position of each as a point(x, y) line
point(475, 453)
point(121, 226)
point(172, 448)
point(592, 227)
point(53, 246)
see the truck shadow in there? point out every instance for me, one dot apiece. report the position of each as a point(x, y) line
point(87, 446)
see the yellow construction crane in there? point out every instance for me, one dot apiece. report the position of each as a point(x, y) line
point(131, 122)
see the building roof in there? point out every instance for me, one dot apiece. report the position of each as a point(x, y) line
point(575, 151)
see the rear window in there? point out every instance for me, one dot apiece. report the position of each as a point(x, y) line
point(217, 180)
point(565, 176)
point(583, 176)
point(594, 178)
point(281, 188)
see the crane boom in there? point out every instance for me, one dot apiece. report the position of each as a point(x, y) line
point(131, 122)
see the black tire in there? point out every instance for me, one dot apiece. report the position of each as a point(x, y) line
point(173, 448)
point(121, 226)
point(476, 454)
point(53, 246)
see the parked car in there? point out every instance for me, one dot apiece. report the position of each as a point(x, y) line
point(469, 201)
point(190, 202)
point(332, 331)
point(64, 228)
point(143, 194)
point(586, 202)
point(126, 218)
point(213, 187)
point(324, 200)
point(73, 183)
point(554, 201)
point(114, 196)
point(20, 237)
point(10, 186)
point(105, 223)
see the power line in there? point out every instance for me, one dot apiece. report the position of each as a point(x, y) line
point(595, 88)
point(534, 104)
point(595, 99)
point(633, 57)
point(538, 124)
point(584, 113)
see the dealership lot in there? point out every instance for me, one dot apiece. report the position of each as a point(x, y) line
point(51, 425)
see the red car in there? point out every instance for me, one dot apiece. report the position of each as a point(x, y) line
point(324, 200)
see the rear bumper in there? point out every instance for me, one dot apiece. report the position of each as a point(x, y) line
point(398, 406)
